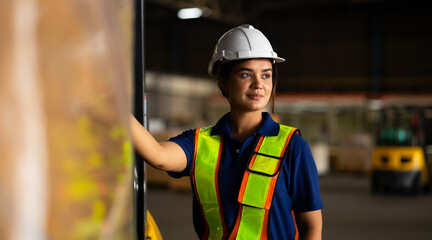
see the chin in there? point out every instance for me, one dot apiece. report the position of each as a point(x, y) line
point(257, 108)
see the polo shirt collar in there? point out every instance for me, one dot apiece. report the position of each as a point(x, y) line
point(268, 128)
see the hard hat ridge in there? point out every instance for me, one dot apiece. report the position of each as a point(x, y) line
point(242, 42)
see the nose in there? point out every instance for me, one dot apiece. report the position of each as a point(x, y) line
point(257, 83)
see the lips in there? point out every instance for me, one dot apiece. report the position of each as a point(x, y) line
point(255, 96)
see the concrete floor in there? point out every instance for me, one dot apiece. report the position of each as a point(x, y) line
point(351, 212)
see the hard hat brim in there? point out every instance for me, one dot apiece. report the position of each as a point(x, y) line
point(215, 63)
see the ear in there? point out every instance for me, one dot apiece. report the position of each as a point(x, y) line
point(222, 83)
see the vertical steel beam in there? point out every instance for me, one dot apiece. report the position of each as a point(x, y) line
point(140, 112)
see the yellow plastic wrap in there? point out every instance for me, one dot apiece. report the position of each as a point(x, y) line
point(65, 148)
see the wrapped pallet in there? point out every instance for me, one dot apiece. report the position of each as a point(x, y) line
point(354, 154)
point(65, 151)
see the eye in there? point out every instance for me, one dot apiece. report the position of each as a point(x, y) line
point(245, 75)
point(266, 76)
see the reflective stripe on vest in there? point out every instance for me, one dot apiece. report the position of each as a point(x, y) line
point(205, 178)
point(257, 188)
point(258, 184)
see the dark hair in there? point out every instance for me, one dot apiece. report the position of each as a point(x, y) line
point(224, 70)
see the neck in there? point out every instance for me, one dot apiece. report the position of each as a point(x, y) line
point(244, 124)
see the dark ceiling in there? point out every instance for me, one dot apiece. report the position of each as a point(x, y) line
point(241, 11)
point(329, 45)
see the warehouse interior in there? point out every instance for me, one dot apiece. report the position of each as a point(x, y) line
point(368, 46)
point(345, 61)
point(348, 63)
point(357, 82)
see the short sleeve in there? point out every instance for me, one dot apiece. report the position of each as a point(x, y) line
point(186, 141)
point(305, 185)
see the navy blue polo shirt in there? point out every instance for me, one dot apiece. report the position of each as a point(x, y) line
point(297, 188)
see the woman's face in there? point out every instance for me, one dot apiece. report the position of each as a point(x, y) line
point(250, 85)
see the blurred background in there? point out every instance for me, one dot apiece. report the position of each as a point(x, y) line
point(353, 69)
point(357, 81)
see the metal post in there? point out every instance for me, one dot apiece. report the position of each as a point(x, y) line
point(140, 112)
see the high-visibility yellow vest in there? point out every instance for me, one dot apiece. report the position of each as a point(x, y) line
point(257, 187)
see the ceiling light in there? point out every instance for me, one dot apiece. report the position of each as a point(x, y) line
point(189, 13)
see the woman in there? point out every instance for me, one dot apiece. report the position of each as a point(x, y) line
point(252, 177)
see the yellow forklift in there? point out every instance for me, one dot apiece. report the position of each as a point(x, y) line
point(401, 160)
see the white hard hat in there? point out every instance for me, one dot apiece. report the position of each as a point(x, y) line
point(242, 42)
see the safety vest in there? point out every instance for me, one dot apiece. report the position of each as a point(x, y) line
point(257, 187)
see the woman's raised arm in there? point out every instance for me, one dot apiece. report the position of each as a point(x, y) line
point(167, 156)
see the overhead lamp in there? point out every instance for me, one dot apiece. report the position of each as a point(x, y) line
point(189, 13)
